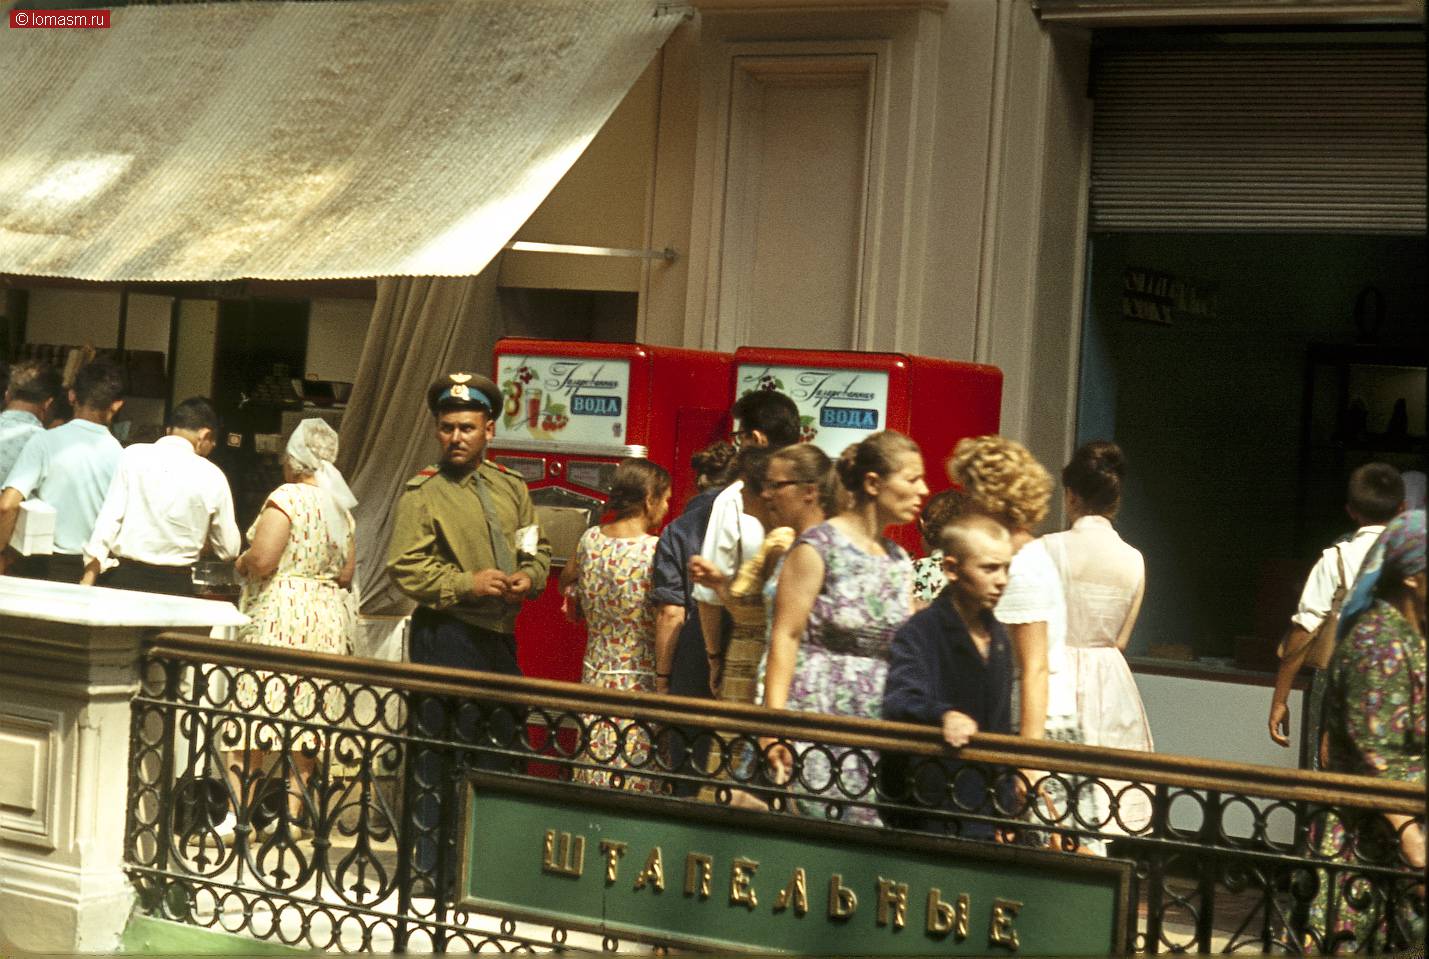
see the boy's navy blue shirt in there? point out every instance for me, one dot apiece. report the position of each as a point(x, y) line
point(934, 667)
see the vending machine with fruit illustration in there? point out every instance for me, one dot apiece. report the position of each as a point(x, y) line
point(844, 396)
point(570, 412)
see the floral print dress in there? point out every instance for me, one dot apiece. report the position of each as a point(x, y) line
point(614, 590)
point(843, 659)
point(928, 578)
point(1374, 715)
point(300, 606)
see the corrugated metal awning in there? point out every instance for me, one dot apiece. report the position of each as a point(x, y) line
point(1318, 139)
point(302, 141)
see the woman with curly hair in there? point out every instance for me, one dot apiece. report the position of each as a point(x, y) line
point(1004, 481)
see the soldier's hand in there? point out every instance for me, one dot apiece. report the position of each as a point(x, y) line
point(488, 582)
point(517, 586)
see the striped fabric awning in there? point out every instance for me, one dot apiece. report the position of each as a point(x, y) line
point(216, 141)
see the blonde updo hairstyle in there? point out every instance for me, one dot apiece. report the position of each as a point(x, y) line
point(1002, 479)
point(876, 453)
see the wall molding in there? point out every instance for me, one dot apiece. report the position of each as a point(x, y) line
point(30, 746)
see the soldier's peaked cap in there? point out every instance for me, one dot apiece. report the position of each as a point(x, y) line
point(464, 391)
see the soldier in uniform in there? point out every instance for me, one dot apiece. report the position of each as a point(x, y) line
point(457, 541)
point(466, 546)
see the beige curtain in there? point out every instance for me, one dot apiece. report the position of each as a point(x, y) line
point(422, 328)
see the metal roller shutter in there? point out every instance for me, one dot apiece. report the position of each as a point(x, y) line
point(1320, 140)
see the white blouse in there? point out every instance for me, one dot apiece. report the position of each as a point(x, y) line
point(1034, 595)
point(1106, 574)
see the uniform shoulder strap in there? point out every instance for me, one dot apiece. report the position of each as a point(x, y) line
point(500, 467)
point(421, 477)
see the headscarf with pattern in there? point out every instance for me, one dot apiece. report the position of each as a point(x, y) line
point(1398, 553)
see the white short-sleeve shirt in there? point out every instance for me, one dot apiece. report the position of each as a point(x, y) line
point(1034, 595)
point(1319, 592)
point(731, 537)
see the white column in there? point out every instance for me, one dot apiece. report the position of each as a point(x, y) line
point(69, 666)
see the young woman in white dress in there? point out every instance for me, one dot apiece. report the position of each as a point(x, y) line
point(1103, 580)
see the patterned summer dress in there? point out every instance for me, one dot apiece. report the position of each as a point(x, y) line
point(843, 658)
point(928, 578)
point(614, 590)
point(300, 606)
point(1374, 715)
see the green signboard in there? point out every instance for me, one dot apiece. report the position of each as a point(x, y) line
point(665, 870)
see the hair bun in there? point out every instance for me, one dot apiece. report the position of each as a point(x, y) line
point(1106, 457)
point(846, 466)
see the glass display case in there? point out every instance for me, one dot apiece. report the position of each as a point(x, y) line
point(1362, 403)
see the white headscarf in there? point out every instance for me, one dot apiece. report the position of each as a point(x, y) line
point(312, 449)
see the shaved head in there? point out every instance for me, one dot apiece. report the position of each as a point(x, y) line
point(964, 535)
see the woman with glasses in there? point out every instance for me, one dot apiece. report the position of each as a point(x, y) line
point(844, 590)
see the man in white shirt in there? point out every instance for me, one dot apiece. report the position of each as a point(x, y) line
point(1375, 496)
point(167, 504)
point(761, 418)
point(67, 468)
point(34, 385)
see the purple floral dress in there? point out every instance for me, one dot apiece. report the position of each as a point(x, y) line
point(843, 658)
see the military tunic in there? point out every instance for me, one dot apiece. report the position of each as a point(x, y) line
point(440, 537)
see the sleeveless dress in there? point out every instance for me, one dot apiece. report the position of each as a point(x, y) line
point(614, 589)
point(1101, 576)
point(843, 660)
point(300, 606)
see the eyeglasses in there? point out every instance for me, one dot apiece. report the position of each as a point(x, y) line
point(780, 484)
point(737, 437)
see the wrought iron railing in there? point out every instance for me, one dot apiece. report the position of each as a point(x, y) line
point(311, 800)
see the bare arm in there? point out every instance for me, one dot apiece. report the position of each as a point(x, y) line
point(270, 538)
point(10, 502)
point(570, 573)
point(1029, 645)
point(799, 586)
point(1296, 646)
point(668, 620)
point(349, 568)
point(711, 621)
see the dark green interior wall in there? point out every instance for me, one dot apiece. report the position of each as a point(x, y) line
point(1208, 408)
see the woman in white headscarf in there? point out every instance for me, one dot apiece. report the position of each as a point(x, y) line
point(297, 572)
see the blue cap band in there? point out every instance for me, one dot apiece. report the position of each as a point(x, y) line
point(464, 393)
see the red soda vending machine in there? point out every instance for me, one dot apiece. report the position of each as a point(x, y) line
point(571, 411)
point(844, 396)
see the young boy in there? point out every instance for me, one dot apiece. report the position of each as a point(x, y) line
point(951, 666)
point(1375, 495)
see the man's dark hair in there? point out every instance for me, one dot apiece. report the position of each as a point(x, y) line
point(771, 413)
point(1376, 492)
point(98, 384)
point(195, 413)
point(34, 381)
